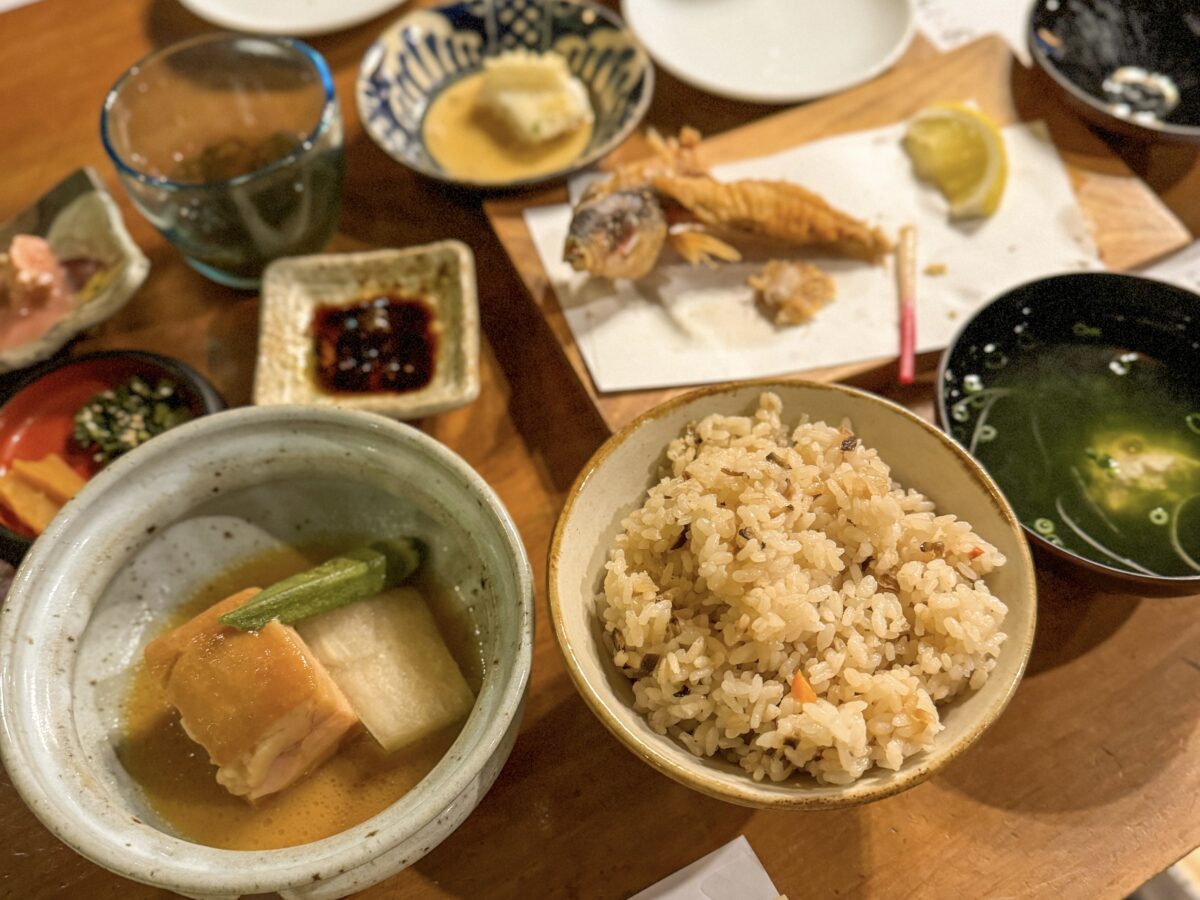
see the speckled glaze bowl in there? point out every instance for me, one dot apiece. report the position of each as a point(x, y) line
point(155, 524)
point(426, 51)
point(613, 484)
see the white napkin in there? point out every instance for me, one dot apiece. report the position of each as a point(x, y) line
point(951, 23)
point(1181, 268)
point(731, 872)
point(682, 325)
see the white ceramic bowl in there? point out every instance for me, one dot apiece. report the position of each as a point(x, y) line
point(148, 529)
point(613, 484)
point(773, 51)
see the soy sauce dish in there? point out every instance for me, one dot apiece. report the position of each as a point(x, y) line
point(1080, 395)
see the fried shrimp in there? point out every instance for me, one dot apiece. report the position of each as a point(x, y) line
point(699, 247)
point(622, 222)
point(671, 156)
point(774, 209)
point(793, 291)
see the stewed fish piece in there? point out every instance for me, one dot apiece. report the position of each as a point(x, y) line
point(260, 702)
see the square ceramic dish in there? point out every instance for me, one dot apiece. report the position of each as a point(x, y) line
point(442, 274)
point(79, 220)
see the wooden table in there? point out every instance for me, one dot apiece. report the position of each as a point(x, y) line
point(1087, 786)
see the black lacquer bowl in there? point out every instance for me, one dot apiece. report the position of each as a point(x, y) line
point(1130, 66)
point(1018, 351)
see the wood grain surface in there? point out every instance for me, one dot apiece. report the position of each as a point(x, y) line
point(1130, 224)
point(1085, 787)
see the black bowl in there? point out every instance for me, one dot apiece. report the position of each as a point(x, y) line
point(1130, 66)
point(37, 409)
point(1150, 317)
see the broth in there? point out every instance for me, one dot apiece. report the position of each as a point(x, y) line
point(1097, 447)
point(358, 782)
point(468, 145)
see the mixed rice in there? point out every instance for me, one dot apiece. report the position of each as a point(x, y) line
point(780, 601)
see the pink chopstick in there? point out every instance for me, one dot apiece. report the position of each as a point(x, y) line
point(906, 274)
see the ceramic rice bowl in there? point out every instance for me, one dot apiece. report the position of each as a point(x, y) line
point(613, 484)
point(151, 527)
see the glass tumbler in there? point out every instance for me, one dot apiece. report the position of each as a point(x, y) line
point(231, 145)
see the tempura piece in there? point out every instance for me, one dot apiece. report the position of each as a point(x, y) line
point(795, 291)
point(260, 702)
point(699, 247)
point(618, 235)
point(774, 209)
point(534, 95)
point(672, 156)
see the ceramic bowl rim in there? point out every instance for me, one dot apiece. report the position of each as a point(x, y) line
point(288, 867)
point(677, 763)
point(209, 397)
point(1167, 583)
point(1156, 129)
point(778, 99)
point(329, 114)
point(222, 18)
point(583, 161)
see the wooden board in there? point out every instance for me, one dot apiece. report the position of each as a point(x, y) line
point(1130, 224)
point(1084, 788)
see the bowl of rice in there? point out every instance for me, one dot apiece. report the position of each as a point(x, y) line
point(796, 595)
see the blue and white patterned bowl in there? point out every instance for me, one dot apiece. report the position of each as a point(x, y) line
point(426, 51)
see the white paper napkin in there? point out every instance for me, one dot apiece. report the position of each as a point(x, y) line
point(1181, 268)
point(682, 325)
point(731, 872)
point(951, 23)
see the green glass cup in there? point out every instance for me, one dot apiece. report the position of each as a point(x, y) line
point(231, 145)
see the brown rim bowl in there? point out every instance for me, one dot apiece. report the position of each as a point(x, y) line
point(613, 483)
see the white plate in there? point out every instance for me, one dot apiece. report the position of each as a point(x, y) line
point(772, 51)
point(292, 17)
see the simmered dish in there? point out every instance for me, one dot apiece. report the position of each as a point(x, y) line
point(521, 116)
point(780, 601)
point(319, 700)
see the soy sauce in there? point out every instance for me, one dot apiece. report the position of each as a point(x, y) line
point(386, 343)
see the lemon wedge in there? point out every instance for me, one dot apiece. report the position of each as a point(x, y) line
point(960, 150)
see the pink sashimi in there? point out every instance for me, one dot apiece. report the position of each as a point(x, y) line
point(34, 292)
